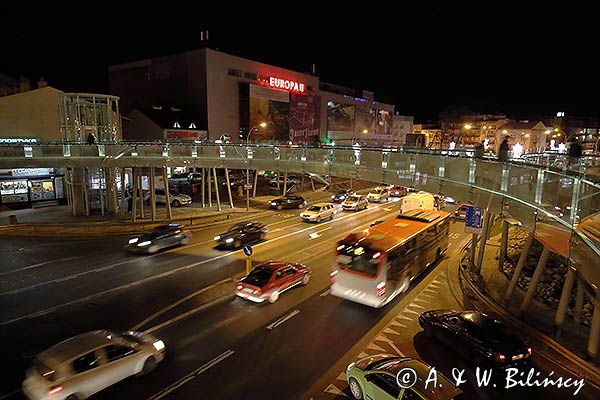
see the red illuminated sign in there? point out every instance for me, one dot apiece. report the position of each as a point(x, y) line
point(285, 84)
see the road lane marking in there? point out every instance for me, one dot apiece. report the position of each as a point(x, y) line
point(11, 394)
point(315, 235)
point(197, 372)
point(283, 319)
point(178, 302)
point(26, 268)
point(188, 313)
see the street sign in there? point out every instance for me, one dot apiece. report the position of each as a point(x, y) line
point(247, 186)
point(474, 220)
point(247, 250)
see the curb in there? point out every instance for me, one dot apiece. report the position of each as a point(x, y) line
point(569, 359)
point(69, 232)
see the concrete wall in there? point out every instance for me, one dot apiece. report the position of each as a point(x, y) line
point(141, 127)
point(32, 114)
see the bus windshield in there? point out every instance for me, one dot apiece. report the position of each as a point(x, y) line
point(359, 260)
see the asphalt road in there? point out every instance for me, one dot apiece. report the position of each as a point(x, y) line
point(53, 290)
point(232, 348)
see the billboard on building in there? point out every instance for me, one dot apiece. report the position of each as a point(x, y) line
point(340, 120)
point(305, 117)
point(366, 120)
point(385, 121)
point(273, 108)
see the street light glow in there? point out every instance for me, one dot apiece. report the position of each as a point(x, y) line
point(263, 124)
point(365, 131)
point(468, 126)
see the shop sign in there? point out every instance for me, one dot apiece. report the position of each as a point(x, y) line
point(31, 171)
point(286, 84)
point(185, 134)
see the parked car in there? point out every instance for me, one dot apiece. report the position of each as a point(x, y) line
point(356, 203)
point(85, 364)
point(375, 378)
point(378, 194)
point(177, 200)
point(161, 237)
point(318, 212)
point(289, 201)
point(478, 337)
point(342, 195)
point(267, 281)
point(461, 211)
point(291, 180)
point(194, 177)
point(398, 191)
point(240, 234)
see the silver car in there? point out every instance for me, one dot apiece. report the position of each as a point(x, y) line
point(85, 364)
point(319, 212)
point(355, 203)
point(379, 194)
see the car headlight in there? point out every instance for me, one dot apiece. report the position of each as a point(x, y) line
point(333, 197)
point(217, 237)
point(132, 241)
point(350, 366)
point(146, 243)
point(159, 345)
point(229, 240)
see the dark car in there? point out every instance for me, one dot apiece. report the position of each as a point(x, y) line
point(194, 177)
point(289, 201)
point(159, 238)
point(267, 281)
point(342, 195)
point(476, 336)
point(439, 201)
point(398, 191)
point(240, 234)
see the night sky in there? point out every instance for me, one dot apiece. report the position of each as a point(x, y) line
point(421, 56)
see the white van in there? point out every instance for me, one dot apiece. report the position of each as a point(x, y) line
point(422, 200)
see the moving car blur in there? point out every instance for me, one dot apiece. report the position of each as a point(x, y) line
point(85, 364)
point(161, 237)
point(288, 201)
point(240, 234)
point(342, 195)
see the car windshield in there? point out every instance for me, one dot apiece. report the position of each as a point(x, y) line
point(258, 277)
point(238, 227)
point(44, 370)
point(376, 191)
point(495, 331)
point(313, 208)
point(354, 198)
point(359, 259)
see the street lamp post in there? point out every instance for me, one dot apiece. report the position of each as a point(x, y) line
point(261, 125)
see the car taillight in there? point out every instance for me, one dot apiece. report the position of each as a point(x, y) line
point(380, 289)
point(187, 232)
point(501, 358)
point(256, 291)
point(333, 275)
point(529, 351)
point(54, 390)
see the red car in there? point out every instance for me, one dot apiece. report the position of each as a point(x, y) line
point(399, 191)
point(461, 211)
point(267, 281)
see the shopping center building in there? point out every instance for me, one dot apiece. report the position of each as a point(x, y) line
point(219, 94)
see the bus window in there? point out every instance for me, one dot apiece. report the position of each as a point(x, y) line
point(360, 260)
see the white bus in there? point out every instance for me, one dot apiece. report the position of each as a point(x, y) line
point(375, 265)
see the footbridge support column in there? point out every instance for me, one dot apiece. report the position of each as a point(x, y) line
point(535, 279)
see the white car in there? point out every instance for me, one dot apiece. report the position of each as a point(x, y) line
point(177, 200)
point(85, 364)
point(355, 203)
point(379, 194)
point(319, 212)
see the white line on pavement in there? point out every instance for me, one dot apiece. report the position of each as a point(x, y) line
point(178, 302)
point(282, 319)
point(192, 375)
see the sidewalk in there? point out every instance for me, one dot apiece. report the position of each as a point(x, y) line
point(493, 283)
